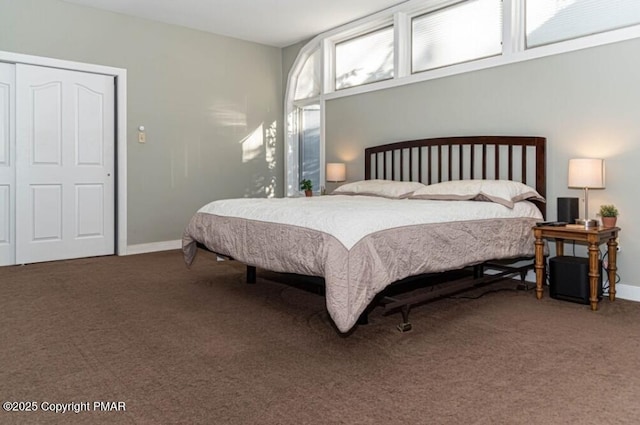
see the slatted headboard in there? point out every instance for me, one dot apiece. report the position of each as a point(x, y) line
point(461, 158)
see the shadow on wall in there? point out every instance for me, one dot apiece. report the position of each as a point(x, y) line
point(259, 151)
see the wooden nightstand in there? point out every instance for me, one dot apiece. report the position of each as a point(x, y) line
point(594, 237)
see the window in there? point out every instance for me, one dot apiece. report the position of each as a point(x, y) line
point(365, 59)
point(550, 21)
point(308, 84)
point(310, 144)
point(459, 33)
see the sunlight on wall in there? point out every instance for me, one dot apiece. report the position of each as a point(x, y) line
point(291, 155)
point(252, 145)
point(270, 135)
point(603, 143)
point(270, 154)
point(347, 153)
point(228, 115)
point(260, 149)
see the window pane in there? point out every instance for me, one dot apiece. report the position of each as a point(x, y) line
point(308, 84)
point(365, 59)
point(460, 33)
point(549, 21)
point(310, 144)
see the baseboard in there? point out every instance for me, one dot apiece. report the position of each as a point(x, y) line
point(627, 292)
point(623, 291)
point(144, 248)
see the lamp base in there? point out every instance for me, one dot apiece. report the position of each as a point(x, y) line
point(587, 222)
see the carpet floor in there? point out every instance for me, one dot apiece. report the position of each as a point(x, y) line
point(158, 343)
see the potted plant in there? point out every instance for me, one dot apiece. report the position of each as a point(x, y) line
point(307, 186)
point(609, 214)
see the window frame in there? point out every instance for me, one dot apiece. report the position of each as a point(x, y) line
point(513, 51)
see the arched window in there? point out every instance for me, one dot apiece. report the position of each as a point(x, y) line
point(421, 40)
point(304, 147)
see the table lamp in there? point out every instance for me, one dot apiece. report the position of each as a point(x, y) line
point(586, 173)
point(336, 172)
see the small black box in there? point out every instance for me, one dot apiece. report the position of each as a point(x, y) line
point(567, 209)
point(569, 279)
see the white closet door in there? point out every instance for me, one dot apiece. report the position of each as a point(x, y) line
point(65, 164)
point(7, 164)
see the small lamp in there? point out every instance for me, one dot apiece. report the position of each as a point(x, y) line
point(336, 172)
point(586, 173)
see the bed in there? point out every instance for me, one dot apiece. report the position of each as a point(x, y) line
point(425, 207)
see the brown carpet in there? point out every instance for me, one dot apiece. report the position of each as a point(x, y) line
point(199, 346)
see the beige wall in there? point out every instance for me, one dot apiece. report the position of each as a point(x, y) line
point(198, 95)
point(587, 104)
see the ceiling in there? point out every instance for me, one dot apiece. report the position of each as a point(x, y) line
point(276, 23)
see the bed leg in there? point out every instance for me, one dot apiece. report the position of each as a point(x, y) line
point(523, 285)
point(405, 326)
point(478, 271)
point(251, 274)
point(523, 276)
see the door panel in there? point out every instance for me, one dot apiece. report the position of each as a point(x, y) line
point(5, 214)
point(46, 120)
point(65, 164)
point(47, 212)
point(90, 131)
point(7, 164)
point(90, 210)
point(5, 124)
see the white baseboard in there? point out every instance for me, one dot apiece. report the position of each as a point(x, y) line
point(624, 291)
point(627, 292)
point(144, 248)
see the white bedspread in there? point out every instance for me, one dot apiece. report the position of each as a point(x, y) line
point(360, 244)
point(335, 214)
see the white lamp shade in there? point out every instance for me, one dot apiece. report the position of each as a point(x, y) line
point(586, 173)
point(336, 171)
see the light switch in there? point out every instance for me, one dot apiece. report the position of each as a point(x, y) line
point(142, 137)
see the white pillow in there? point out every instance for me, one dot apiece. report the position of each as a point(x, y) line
point(384, 188)
point(504, 192)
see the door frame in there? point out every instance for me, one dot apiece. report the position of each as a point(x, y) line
point(120, 76)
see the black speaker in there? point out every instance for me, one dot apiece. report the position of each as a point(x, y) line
point(568, 210)
point(569, 279)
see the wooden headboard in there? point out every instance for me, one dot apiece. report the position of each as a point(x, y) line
point(461, 158)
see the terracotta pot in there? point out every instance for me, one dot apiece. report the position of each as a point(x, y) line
point(308, 193)
point(609, 221)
